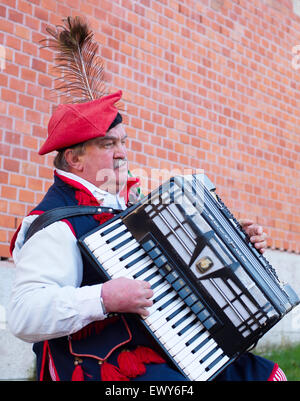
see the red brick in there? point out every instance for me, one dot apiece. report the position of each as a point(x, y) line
point(11, 165)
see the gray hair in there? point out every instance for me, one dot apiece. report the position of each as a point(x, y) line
point(60, 161)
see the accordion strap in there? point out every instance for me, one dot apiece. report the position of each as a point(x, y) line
point(60, 213)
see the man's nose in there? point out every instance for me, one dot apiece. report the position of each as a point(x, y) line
point(120, 152)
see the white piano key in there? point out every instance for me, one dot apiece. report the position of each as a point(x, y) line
point(110, 261)
point(170, 341)
point(114, 265)
point(92, 239)
point(167, 328)
point(155, 279)
point(158, 319)
point(189, 348)
point(105, 253)
point(206, 375)
point(192, 361)
point(160, 289)
point(185, 338)
point(147, 273)
point(117, 241)
point(191, 357)
point(131, 271)
point(122, 233)
point(156, 314)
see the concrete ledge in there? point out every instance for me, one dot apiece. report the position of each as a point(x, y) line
point(17, 361)
point(287, 331)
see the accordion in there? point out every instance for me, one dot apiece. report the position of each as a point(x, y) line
point(214, 296)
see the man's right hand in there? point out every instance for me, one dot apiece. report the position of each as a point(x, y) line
point(127, 296)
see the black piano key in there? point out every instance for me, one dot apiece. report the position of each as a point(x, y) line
point(212, 364)
point(130, 253)
point(208, 355)
point(181, 320)
point(140, 272)
point(201, 345)
point(173, 314)
point(121, 244)
point(151, 276)
point(187, 327)
point(110, 229)
point(169, 301)
point(194, 338)
point(134, 261)
point(163, 294)
point(119, 235)
point(158, 282)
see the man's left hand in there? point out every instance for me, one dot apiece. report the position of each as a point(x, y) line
point(255, 233)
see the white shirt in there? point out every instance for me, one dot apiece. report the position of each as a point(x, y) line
point(46, 300)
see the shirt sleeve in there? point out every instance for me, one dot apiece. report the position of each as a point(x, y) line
point(47, 300)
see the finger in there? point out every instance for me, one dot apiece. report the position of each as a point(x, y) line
point(253, 230)
point(144, 284)
point(147, 303)
point(149, 293)
point(260, 245)
point(143, 312)
point(258, 238)
point(246, 222)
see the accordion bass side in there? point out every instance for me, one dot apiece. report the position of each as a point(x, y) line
point(215, 295)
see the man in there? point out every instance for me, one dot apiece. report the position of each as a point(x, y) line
point(58, 302)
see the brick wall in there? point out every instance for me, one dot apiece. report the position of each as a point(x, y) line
point(208, 84)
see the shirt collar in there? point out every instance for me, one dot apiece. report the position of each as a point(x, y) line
point(105, 198)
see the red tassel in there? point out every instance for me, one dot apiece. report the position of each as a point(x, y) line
point(130, 365)
point(110, 372)
point(147, 355)
point(78, 375)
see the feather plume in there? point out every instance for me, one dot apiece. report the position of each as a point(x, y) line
point(81, 72)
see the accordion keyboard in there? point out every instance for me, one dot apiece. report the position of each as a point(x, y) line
point(177, 320)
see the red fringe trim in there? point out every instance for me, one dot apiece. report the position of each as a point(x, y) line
point(110, 372)
point(130, 365)
point(93, 328)
point(147, 355)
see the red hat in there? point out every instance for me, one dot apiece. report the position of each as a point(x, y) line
point(75, 123)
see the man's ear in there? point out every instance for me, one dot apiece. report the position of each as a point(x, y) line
point(74, 160)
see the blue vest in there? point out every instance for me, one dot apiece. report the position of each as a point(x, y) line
point(97, 343)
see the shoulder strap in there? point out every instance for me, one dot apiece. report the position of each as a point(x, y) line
point(60, 213)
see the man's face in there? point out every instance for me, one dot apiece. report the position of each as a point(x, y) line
point(105, 161)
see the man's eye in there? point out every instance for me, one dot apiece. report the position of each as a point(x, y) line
point(108, 144)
